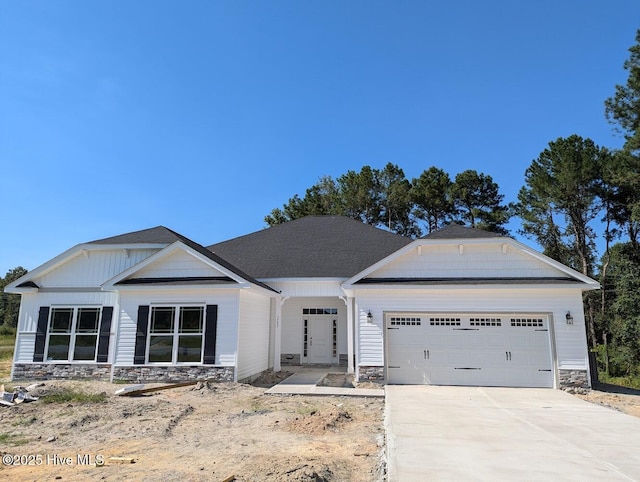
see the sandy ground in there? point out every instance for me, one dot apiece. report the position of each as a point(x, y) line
point(218, 432)
point(618, 398)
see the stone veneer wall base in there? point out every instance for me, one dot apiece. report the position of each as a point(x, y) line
point(371, 374)
point(150, 373)
point(66, 371)
point(573, 381)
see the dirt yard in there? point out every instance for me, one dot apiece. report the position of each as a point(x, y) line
point(218, 432)
point(625, 400)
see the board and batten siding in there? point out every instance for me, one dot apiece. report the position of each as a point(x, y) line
point(569, 340)
point(476, 261)
point(30, 307)
point(178, 264)
point(253, 334)
point(226, 340)
point(91, 268)
point(292, 317)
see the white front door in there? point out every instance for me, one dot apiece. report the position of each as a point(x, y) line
point(319, 343)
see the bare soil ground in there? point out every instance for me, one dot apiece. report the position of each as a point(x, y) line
point(626, 400)
point(206, 432)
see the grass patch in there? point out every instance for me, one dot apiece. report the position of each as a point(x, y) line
point(305, 409)
point(258, 406)
point(25, 422)
point(12, 439)
point(74, 396)
point(627, 382)
point(7, 344)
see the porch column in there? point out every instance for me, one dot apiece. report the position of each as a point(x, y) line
point(277, 347)
point(350, 346)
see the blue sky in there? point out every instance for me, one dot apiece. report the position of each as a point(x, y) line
point(202, 116)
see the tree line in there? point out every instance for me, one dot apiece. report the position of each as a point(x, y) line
point(10, 303)
point(575, 193)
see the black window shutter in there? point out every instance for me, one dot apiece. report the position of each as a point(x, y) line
point(141, 335)
point(41, 334)
point(211, 327)
point(105, 334)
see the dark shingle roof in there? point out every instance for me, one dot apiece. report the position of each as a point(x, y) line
point(456, 231)
point(157, 235)
point(313, 246)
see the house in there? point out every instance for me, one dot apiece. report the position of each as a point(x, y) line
point(458, 307)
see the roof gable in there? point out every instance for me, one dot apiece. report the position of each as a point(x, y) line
point(464, 257)
point(183, 264)
point(310, 247)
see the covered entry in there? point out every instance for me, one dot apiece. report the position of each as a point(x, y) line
point(481, 349)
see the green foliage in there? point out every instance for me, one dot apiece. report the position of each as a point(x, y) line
point(431, 198)
point(560, 199)
point(386, 198)
point(629, 381)
point(477, 202)
point(623, 109)
point(10, 303)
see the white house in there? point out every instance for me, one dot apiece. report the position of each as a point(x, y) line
point(458, 307)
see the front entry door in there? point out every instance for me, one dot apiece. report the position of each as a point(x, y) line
point(319, 349)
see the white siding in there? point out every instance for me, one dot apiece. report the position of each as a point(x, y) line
point(307, 288)
point(477, 261)
point(178, 264)
point(227, 301)
point(253, 334)
point(30, 307)
point(570, 340)
point(292, 322)
point(91, 268)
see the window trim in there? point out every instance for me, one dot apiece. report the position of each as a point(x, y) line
point(175, 334)
point(72, 333)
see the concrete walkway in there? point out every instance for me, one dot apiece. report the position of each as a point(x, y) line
point(470, 433)
point(306, 383)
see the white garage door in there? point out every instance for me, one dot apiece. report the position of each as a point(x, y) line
point(468, 349)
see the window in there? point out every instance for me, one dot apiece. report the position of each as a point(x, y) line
point(485, 322)
point(444, 321)
point(319, 311)
point(334, 339)
point(405, 321)
point(305, 342)
point(527, 322)
point(73, 333)
point(175, 334)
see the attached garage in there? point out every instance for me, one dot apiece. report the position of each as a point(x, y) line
point(475, 349)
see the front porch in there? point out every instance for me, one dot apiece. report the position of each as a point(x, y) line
point(307, 380)
point(312, 331)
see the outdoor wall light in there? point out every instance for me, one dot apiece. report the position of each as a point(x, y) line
point(369, 317)
point(569, 318)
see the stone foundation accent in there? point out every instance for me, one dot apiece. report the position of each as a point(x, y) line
point(146, 373)
point(70, 371)
point(290, 359)
point(573, 380)
point(371, 374)
point(343, 360)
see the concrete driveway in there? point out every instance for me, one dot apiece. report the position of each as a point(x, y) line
point(471, 433)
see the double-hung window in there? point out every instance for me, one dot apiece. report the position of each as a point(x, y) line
point(73, 333)
point(175, 334)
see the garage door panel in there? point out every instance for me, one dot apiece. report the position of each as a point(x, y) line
point(476, 350)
